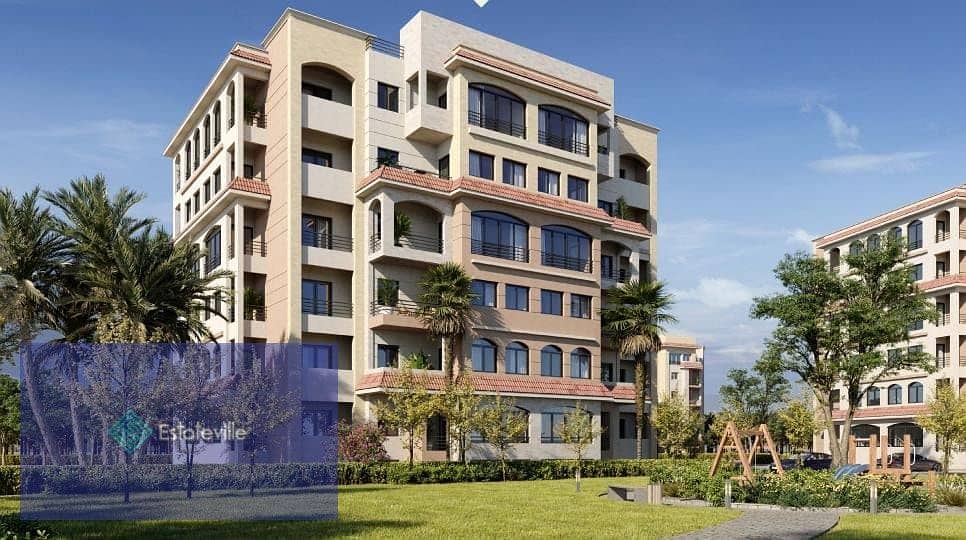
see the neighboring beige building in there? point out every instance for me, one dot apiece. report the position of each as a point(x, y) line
point(301, 153)
point(935, 230)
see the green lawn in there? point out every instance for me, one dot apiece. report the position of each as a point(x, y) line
point(893, 526)
point(547, 509)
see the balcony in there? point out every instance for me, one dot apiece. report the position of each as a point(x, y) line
point(604, 161)
point(576, 264)
point(327, 317)
point(327, 116)
point(942, 361)
point(256, 128)
point(615, 275)
point(327, 183)
point(942, 236)
point(943, 320)
point(322, 249)
point(567, 144)
point(254, 322)
point(502, 251)
point(635, 194)
point(212, 265)
point(497, 124)
point(428, 123)
point(409, 247)
point(317, 384)
point(396, 314)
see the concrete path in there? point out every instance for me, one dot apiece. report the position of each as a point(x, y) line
point(769, 524)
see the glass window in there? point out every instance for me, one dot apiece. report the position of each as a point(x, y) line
point(895, 233)
point(484, 293)
point(217, 122)
point(872, 397)
point(206, 187)
point(316, 297)
point(214, 250)
point(518, 298)
point(551, 362)
point(551, 302)
point(897, 434)
point(607, 372)
point(917, 272)
point(873, 242)
point(216, 179)
point(915, 393)
point(566, 248)
point(577, 188)
point(387, 356)
point(388, 97)
point(499, 235)
point(563, 129)
point(550, 427)
point(484, 356)
point(443, 167)
point(317, 91)
point(316, 157)
point(580, 306)
point(915, 235)
point(385, 156)
point(318, 357)
point(317, 421)
point(514, 173)
point(855, 248)
point(895, 394)
point(674, 358)
point(517, 358)
point(580, 363)
point(494, 108)
point(548, 181)
point(606, 206)
point(481, 165)
point(316, 231)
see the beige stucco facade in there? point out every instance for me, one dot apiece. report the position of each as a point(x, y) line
point(339, 131)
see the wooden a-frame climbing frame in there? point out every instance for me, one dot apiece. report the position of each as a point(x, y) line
point(733, 439)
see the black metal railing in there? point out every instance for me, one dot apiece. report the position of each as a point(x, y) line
point(254, 313)
point(326, 241)
point(375, 243)
point(915, 244)
point(503, 251)
point(497, 124)
point(255, 247)
point(614, 274)
point(601, 149)
point(394, 306)
point(422, 243)
point(231, 309)
point(211, 264)
point(578, 264)
point(326, 308)
point(257, 119)
point(563, 143)
point(384, 46)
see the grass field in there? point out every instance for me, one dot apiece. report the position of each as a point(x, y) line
point(541, 509)
point(893, 526)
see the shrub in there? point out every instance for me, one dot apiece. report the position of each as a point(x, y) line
point(12, 527)
point(364, 443)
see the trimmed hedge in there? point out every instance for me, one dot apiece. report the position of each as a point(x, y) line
point(805, 487)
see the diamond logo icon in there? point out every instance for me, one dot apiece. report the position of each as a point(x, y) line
point(130, 431)
point(481, 3)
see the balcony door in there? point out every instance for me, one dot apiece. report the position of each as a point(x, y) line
point(316, 297)
point(316, 231)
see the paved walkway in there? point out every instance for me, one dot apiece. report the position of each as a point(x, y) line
point(768, 524)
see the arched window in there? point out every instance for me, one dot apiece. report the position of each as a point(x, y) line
point(895, 233)
point(872, 396)
point(864, 431)
point(525, 414)
point(551, 361)
point(499, 235)
point(231, 105)
point(580, 363)
point(873, 242)
point(563, 129)
point(197, 141)
point(517, 358)
point(217, 122)
point(495, 108)
point(834, 259)
point(484, 356)
point(915, 393)
point(187, 160)
point(565, 247)
point(207, 126)
point(177, 171)
point(855, 248)
point(898, 431)
point(915, 234)
point(895, 394)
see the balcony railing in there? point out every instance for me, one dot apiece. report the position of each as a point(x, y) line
point(384, 46)
point(497, 124)
point(326, 241)
point(578, 264)
point(375, 243)
point(915, 244)
point(601, 149)
point(942, 361)
point(257, 119)
point(254, 313)
point(563, 143)
point(393, 306)
point(503, 251)
point(942, 236)
point(255, 247)
point(422, 243)
point(326, 308)
point(962, 361)
point(613, 274)
point(943, 319)
point(211, 265)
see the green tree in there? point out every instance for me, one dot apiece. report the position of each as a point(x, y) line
point(578, 433)
point(9, 415)
point(446, 307)
point(634, 321)
point(676, 424)
point(797, 423)
point(751, 396)
point(502, 424)
point(461, 406)
point(947, 420)
point(408, 409)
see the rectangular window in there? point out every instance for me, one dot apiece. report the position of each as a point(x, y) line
point(207, 190)
point(316, 157)
point(917, 272)
point(580, 306)
point(316, 297)
point(318, 357)
point(517, 359)
point(484, 293)
point(518, 298)
point(551, 302)
point(606, 206)
point(577, 188)
point(443, 167)
point(548, 181)
point(607, 372)
point(514, 173)
point(385, 156)
point(387, 292)
point(214, 251)
point(674, 358)
point(388, 97)
point(317, 421)
point(317, 91)
point(550, 428)
point(481, 165)
point(387, 356)
point(579, 365)
point(216, 179)
point(316, 231)
point(197, 198)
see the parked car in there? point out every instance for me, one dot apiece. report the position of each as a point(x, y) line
point(817, 461)
point(919, 463)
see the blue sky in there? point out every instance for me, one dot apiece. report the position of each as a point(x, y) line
point(779, 122)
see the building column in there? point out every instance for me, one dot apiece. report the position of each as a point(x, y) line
point(238, 240)
point(955, 369)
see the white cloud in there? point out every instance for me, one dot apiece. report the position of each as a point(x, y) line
point(114, 134)
point(878, 163)
point(720, 293)
point(846, 136)
point(800, 236)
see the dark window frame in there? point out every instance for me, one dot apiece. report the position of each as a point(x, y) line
point(555, 306)
point(482, 162)
point(551, 361)
point(387, 97)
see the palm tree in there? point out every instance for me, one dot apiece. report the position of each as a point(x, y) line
point(634, 322)
point(446, 307)
point(31, 255)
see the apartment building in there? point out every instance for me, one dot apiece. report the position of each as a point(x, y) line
point(328, 168)
point(935, 230)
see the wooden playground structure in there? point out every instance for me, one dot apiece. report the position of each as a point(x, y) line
point(735, 439)
point(880, 466)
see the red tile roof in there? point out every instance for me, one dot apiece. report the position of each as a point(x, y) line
point(527, 73)
point(250, 186)
point(952, 279)
point(511, 384)
point(498, 189)
point(247, 55)
point(884, 412)
point(692, 365)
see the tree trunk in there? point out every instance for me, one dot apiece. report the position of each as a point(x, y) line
point(825, 406)
point(127, 478)
point(33, 396)
point(578, 475)
point(412, 448)
point(251, 472)
point(75, 422)
point(640, 395)
point(447, 358)
point(189, 461)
